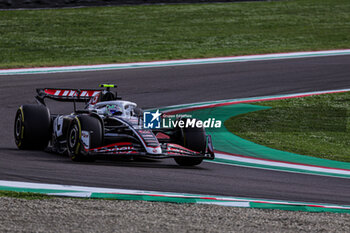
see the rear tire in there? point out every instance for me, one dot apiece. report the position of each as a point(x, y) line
point(193, 139)
point(32, 127)
point(74, 144)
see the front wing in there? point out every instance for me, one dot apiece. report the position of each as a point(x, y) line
point(169, 150)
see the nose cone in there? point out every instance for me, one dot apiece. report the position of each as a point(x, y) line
point(154, 150)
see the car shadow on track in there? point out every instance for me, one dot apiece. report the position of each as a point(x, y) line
point(144, 163)
point(49, 157)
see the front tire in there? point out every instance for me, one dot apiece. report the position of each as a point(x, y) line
point(75, 146)
point(32, 127)
point(193, 139)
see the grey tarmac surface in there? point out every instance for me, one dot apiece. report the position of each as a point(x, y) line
point(76, 215)
point(153, 87)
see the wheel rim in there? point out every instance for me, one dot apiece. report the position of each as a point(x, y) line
point(73, 137)
point(18, 127)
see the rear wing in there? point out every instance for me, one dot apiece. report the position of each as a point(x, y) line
point(66, 95)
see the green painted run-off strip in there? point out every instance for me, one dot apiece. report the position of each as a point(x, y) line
point(79, 191)
point(224, 140)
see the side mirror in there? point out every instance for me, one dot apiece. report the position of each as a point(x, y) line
point(138, 112)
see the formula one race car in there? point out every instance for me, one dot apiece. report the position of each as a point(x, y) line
point(106, 126)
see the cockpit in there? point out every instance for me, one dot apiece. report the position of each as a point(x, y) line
point(119, 108)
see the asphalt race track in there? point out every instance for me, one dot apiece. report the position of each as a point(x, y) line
point(153, 87)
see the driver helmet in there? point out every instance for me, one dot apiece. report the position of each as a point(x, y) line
point(107, 96)
point(113, 110)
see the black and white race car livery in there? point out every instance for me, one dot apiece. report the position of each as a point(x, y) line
point(106, 125)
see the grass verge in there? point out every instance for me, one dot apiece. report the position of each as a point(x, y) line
point(138, 33)
point(316, 126)
point(24, 195)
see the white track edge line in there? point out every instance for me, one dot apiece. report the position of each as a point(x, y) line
point(259, 98)
point(82, 191)
point(82, 68)
point(282, 164)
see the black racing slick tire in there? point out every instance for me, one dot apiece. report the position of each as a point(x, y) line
point(32, 127)
point(75, 146)
point(193, 139)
